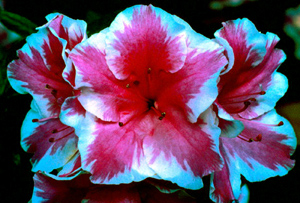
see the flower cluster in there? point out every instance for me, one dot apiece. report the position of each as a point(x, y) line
point(145, 108)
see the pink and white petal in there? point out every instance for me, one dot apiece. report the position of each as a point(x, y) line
point(247, 42)
point(36, 136)
point(197, 79)
point(101, 93)
point(71, 168)
point(175, 148)
point(41, 58)
point(245, 194)
point(113, 193)
point(275, 90)
point(73, 31)
point(225, 185)
point(268, 157)
point(72, 112)
point(111, 153)
point(228, 52)
point(47, 189)
point(143, 37)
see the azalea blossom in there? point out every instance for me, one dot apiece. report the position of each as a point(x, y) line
point(256, 142)
point(80, 189)
point(38, 71)
point(147, 83)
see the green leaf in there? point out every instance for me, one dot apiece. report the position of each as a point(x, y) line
point(17, 23)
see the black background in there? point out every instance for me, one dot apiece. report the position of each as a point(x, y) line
point(15, 173)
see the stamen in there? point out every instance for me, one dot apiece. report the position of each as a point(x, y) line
point(250, 94)
point(44, 119)
point(121, 124)
point(52, 139)
point(258, 138)
point(163, 114)
point(60, 129)
point(136, 82)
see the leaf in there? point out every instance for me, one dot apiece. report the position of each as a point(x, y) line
point(17, 23)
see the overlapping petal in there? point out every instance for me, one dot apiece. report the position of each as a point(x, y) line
point(38, 71)
point(257, 86)
point(258, 160)
point(80, 189)
point(52, 143)
point(139, 100)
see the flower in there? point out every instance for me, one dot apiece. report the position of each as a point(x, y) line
point(80, 189)
point(38, 71)
point(147, 83)
point(255, 141)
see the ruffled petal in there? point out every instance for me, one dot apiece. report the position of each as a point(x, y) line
point(256, 86)
point(38, 71)
point(143, 37)
point(101, 93)
point(110, 152)
point(73, 31)
point(47, 189)
point(52, 143)
point(269, 153)
point(178, 150)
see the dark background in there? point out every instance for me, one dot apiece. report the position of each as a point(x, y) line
point(15, 171)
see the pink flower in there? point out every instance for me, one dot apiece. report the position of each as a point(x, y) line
point(147, 82)
point(255, 142)
point(38, 71)
point(80, 189)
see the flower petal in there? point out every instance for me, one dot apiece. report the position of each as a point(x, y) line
point(259, 160)
point(101, 93)
point(111, 153)
point(143, 37)
point(255, 63)
point(41, 58)
point(73, 31)
point(178, 150)
point(47, 189)
point(36, 137)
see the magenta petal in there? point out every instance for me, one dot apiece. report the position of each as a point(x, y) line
point(73, 31)
point(107, 97)
point(143, 37)
point(41, 59)
point(178, 150)
point(257, 86)
point(51, 142)
point(47, 189)
point(269, 155)
point(110, 152)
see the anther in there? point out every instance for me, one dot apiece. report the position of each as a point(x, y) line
point(258, 138)
point(128, 85)
point(121, 124)
point(149, 70)
point(280, 123)
point(52, 139)
point(136, 82)
point(44, 119)
point(60, 129)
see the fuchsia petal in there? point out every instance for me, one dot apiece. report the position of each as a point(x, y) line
point(257, 86)
point(256, 160)
point(178, 150)
point(107, 97)
point(73, 31)
point(51, 150)
point(111, 153)
point(47, 189)
point(41, 59)
point(143, 37)
point(259, 160)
